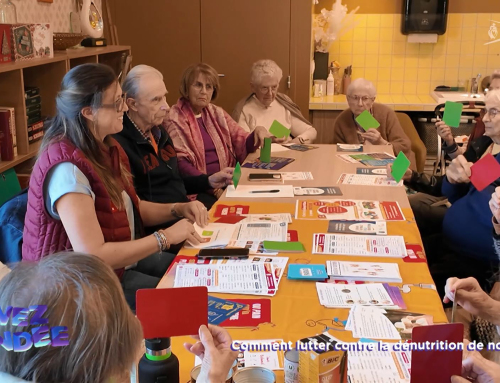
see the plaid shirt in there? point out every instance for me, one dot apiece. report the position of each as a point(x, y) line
point(155, 131)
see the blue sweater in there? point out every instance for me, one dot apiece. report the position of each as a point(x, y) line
point(467, 223)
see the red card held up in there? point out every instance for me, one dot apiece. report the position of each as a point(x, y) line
point(436, 365)
point(172, 312)
point(484, 172)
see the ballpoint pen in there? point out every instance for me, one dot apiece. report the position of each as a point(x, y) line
point(265, 191)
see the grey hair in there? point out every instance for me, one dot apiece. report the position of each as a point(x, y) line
point(131, 85)
point(82, 293)
point(362, 84)
point(493, 96)
point(263, 68)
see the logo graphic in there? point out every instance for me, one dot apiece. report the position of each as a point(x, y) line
point(39, 335)
point(493, 33)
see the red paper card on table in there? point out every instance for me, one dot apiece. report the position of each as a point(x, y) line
point(172, 312)
point(484, 172)
point(225, 210)
point(255, 312)
point(436, 366)
point(230, 219)
point(414, 254)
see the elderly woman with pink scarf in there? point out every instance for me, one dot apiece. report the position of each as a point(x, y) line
point(205, 137)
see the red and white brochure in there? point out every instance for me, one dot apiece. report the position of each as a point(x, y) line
point(255, 312)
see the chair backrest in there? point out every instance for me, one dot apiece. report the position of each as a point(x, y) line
point(12, 215)
point(417, 146)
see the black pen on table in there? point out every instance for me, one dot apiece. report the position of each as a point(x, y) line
point(265, 191)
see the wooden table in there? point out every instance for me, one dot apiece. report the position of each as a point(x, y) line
point(296, 312)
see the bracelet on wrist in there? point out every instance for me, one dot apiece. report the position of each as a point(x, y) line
point(174, 212)
point(162, 240)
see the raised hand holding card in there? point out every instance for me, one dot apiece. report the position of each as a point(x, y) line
point(265, 152)
point(279, 130)
point(172, 312)
point(367, 121)
point(236, 175)
point(452, 113)
point(484, 172)
point(400, 166)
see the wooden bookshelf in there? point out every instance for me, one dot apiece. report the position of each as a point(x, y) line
point(46, 74)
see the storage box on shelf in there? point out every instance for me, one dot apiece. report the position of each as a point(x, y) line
point(46, 74)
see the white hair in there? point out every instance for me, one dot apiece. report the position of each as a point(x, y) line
point(362, 84)
point(263, 68)
point(493, 96)
point(131, 85)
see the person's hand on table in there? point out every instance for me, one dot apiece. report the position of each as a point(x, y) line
point(472, 298)
point(259, 134)
point(479, 369)
point(221, 179)
point(444, 131)
point(182, 231)
point(214, 349)
point(459, 170)
point(194, 211)
point(495, 208)
point(374, 137)
point(406, 176)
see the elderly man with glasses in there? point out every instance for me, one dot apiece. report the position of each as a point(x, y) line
point(360, 97)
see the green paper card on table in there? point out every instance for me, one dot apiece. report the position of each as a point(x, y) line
point(236, 175)
point(265, 152)
point(279, 130)
point(367, 121)
point(284, 247)
point(400, 166)
point(452, 113)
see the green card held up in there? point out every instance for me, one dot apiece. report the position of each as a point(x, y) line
point(452, 113)
point(236, 175)
point(367, 121)
point(279, 130)
point(284, 247)
point(399, 166)
point(265, 152)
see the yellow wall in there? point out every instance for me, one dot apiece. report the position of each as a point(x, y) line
point(379, 52)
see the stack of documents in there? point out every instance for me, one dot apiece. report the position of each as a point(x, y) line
point(371, 294)
point(254, 276)
point(364, 271)
point(361, 245)
point(249, 234)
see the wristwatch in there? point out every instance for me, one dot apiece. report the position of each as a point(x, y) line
point(174, 213)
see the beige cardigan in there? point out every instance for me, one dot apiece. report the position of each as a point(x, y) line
point(345, 130)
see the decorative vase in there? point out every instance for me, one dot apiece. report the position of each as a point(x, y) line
point(8, 13)
point(321, 65)
point(91, 19)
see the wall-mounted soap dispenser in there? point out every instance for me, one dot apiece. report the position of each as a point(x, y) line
point(424, 16)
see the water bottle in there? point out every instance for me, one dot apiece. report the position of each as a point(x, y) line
point(158, 364)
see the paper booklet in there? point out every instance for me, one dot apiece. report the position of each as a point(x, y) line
point(367, 180)
point(348, 209)
point(361, 245)
point(380, 295)
point(243, 235)
point(364, 271)
point(358, 227)
point(377, 323)
point(368, 159)
point(237, 278)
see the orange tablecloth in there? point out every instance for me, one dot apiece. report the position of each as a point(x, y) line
point(296, 312)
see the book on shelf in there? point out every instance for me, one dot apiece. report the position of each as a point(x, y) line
point(8, 146)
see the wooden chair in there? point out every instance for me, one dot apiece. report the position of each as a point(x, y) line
point(417, 146)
